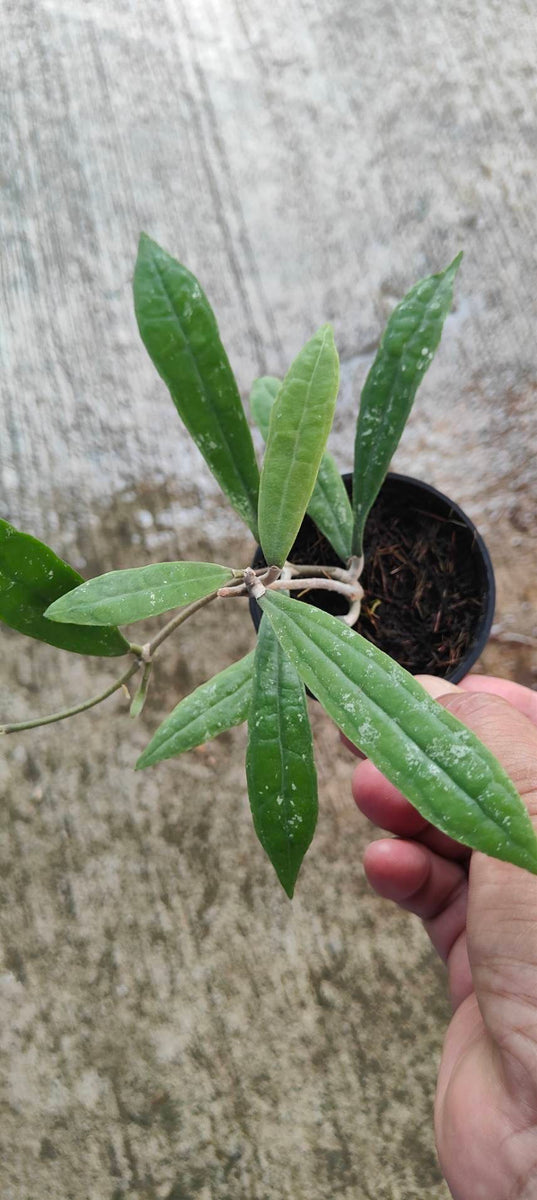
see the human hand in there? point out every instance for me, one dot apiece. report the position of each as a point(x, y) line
point(481, 916)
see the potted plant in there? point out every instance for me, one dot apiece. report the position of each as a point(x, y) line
point(443, 769)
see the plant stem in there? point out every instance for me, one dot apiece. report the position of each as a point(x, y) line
point(144, 655)
point(257, 587)
point(307, 584)
point(149, 649)
point(348, 574)
point(77, 708)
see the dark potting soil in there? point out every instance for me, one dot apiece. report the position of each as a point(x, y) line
point(422, 597)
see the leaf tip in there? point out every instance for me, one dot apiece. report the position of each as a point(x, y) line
point(147, 248)
point(454, 266)
point(286, 875)
point(143, 240)
point(53, 612)
point(327, 332)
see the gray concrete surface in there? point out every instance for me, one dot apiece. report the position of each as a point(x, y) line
point(170, 1026)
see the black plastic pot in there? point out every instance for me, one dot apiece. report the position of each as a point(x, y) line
point(428, 579)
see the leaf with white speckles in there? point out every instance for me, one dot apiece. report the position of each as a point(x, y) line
point(180, 333)
point(436, 762)
point(121, 597)
point(216, 705)
point(282, 782)
point(31, 577)
point(408, 345)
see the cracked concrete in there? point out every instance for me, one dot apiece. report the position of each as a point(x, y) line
point(171, 1027)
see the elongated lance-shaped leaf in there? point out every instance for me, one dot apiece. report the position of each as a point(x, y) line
point(31, 577)
point(132, 595)
point(216, 705)
point(262, 396)
point(299, 426)
point(282, 781)
point(179, 331)
point(407, 348)
point(437, 763)
point(329, 505)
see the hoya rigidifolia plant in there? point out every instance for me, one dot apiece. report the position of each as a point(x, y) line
point(438, 764)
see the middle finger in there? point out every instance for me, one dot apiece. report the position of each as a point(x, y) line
point(386, 807)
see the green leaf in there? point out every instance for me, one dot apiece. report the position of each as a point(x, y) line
point(140, 695)
point(436, 762)
point(282, 782)
point(329, 506)
point(262, 397)
point(31, 576)
point(216, 705)
point(299, 426)
point(407, 348)
point(179, 331)
point(132, 595)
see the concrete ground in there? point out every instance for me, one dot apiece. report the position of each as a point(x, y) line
point(171, 1027)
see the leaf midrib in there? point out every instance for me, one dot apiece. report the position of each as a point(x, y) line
point(284, 491)
point(283, 771)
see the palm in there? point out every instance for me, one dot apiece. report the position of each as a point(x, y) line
point(480, 916)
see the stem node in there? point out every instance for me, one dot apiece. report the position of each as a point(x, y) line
point(254, 585)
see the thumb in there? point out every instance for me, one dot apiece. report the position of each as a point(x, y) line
point(502, 899)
